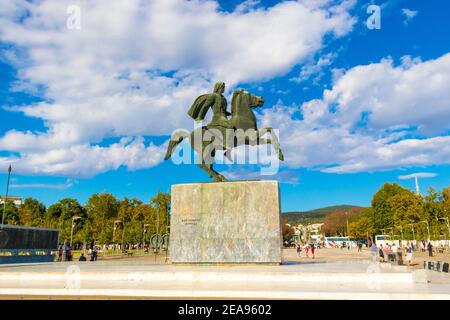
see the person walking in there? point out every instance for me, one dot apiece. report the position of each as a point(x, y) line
point(408, 256)
point(381, 253)
point(306, 250)
point(60, 253)
point(94, 253)
point(394, 248)
point(430, 249)
point(66, 253)
point(299, 250)
point(374, 252)
point(312, 250)
point(69, 254)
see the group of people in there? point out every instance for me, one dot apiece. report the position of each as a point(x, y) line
point(428, 247)
point(310, 247)
point(393, 249)
point(386, 250)
point(347, 245)
point(92, 253)
point(66, 252)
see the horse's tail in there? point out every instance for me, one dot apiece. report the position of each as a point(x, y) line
point(176, 139)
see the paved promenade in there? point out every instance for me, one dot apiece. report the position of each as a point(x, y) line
point(334, 274)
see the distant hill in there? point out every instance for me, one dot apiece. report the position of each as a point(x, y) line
point(313, 216)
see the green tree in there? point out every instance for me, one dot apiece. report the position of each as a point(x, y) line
point(53, 214)
point(71, 208)
point(161, 204)
point(86, 234)
point(407, 207)
point(434, 211)
point(11, 213)
point(32, 213)
point(383, 214)
point(446, 198)
point(60, 214)
point(126, 209)
point(102, 210)
point(133, 232)
point(362, 227)
point(145, 213)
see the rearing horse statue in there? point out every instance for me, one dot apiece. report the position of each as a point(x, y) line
point(223, 133)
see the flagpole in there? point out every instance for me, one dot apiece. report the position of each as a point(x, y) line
point(6, 197)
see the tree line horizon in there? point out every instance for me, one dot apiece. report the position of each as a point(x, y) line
point(97, 218)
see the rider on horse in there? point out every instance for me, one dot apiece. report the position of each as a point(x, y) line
point(221, 132)
point(217, 102)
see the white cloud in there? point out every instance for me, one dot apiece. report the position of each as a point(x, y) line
point(418, 175)
point(84, 161)
point(55, 186)
point(134, 68)
point(247, 6)
point(375, 117)
point(411, 96)
point(316, 69)
point(409, 15)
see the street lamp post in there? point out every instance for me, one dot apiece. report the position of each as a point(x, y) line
point(114, 231)
point(157, 222)
point(167, 220)
point(73, 226)
point(448, 224)
point(123, 234)
point(6, 196)
point(143, 236)
point(392, 233)
point(428, 228)
point(412, 228)
point(346, 218)
point(401, 234)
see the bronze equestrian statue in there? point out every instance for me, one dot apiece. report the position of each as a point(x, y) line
point(223, 129)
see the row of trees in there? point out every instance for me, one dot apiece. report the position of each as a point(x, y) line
point(96, 220)
point(399, 212)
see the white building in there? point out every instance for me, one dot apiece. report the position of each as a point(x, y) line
point(314, 228)
point(16, 200)
point(310, 231)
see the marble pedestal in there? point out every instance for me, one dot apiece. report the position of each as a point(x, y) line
point(226, 222)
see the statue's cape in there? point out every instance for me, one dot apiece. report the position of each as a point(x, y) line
point(201, 106)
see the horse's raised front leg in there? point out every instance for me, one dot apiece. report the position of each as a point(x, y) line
point(273, 140)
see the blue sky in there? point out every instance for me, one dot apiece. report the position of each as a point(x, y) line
point(89, 110)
